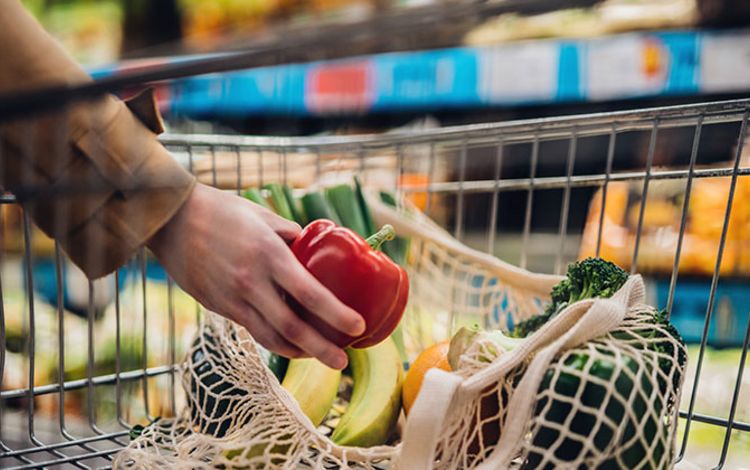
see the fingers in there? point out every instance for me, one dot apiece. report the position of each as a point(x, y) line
point(284, 228)
point(315, 297)
point(267, 300)
point(265, 335)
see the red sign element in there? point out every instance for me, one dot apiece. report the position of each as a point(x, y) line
point(340, 87)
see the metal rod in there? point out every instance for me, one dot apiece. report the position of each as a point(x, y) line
point(108, 379)
point(430, 179)
point(60, 341)
point(172, 344)
point(714, 284)
point(282, 162)
point(239, 170)
point(716, 421)
point(3, 341)
point(565, 210)
point(118, 352)
point(607, 174)
point(683, 219)
point(458, 231)
point(492, 229)
point(529, 204)
point(398, 184)
point(292, 43)
point(73, 458)
point(644, 194)
point(213, 166)
point(144, 342)
point(63, 445)
point(579, 181)
point(31, 347)
point(735, 398)
point(90, 372)
point(544, 129)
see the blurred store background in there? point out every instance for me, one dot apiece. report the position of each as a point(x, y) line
point(468, 62)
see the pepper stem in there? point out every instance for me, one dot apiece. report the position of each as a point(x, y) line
point(383, 235)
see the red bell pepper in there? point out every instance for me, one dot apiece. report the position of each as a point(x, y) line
point(358, 274)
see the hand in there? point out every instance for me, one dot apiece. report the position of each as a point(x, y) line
point(232, 256)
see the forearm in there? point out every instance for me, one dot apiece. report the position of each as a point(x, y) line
point(101, 184)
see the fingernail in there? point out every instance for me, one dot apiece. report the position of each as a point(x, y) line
point(340, 361)
point(359, 327)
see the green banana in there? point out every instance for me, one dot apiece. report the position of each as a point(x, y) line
point(375, 404)
point(313, 385)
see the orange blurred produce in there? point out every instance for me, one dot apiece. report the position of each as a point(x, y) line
point(434, 356)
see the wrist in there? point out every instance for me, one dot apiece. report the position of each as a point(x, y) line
point(180, 222)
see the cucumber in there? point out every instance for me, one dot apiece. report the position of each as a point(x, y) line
point(213, 395)
point(279, 202)
point(253, 194)
point(316, 207)
point(294, 205)
point(276, 363)
point(366, 214)
point(344, 202)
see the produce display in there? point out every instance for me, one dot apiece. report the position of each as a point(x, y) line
point(103, 338)
point(207, 23)
point(661, 222)
point(606, 17)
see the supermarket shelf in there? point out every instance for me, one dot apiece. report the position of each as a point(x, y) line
point(626, 66)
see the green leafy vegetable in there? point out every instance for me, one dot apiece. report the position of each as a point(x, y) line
point(592, 277)
point(316, 207)
point(278, 199)
point(344, 202)
point(254, 195)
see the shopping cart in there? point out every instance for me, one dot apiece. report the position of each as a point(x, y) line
point(535, 217)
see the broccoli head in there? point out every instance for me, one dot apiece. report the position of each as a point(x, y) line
point(592, 277)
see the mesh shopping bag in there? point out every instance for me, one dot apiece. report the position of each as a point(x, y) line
point(597, 386)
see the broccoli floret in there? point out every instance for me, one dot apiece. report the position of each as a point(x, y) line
point(592, 277)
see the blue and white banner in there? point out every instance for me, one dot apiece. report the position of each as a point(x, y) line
point(634, 65)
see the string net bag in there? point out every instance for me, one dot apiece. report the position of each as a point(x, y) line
point(595, 387)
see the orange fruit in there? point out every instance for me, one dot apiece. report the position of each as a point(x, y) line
point(416, 181)
point(434, 356)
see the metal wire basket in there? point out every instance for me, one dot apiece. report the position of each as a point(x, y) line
point(533, 192)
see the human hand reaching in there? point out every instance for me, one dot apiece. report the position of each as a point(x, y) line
point(232, 256)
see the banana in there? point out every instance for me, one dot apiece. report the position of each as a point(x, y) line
point(375, 404)
point(313, 385)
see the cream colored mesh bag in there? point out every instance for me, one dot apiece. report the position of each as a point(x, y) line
point(544, 403)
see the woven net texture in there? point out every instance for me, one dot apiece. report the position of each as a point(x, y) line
point(575, 396)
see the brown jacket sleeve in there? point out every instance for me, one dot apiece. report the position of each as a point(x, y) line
point(93, 176)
